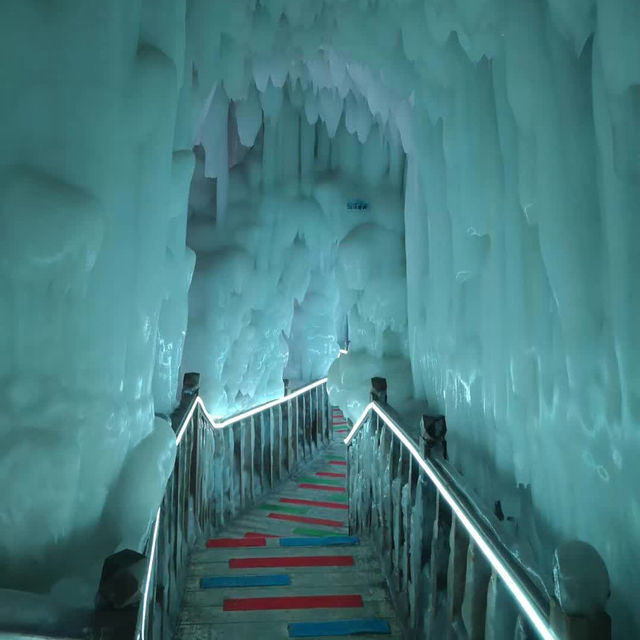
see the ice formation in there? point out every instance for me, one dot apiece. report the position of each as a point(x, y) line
point(511, 128)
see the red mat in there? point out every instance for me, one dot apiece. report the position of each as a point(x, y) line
point(305, 520)
point(322, 487)
point(342, 430)
point(292, 602)
point(338, 462)
point(316, 503)
point(295, 561)
point(331, 474)
point(253, 541)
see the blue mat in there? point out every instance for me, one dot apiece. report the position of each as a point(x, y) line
point(219, 582)
point(329, 541)
point(338, 628)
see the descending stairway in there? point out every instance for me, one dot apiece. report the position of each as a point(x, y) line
point(289, 569)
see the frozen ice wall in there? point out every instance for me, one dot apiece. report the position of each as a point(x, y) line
point(280, 272)
point(521, 216)
point(518, 120)
point(94, 275)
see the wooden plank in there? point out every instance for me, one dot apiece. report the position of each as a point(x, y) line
point(323, 522)
point(336, 577)
point(321, 504)
point(323, 481)
point(226, 543)
point(292, 561)
point(283, 508)
point(310, 495)
point(215, 597)
point(214, 615)
point(319, 533)
point(365, 565)
point(277, 630)
point(319, 487)
point(245, 582)
point(224, 555)
point(260, 523)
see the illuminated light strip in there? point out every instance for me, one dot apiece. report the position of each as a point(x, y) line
point(240, 416)
point(501, 569)
point(141, 635)
point(147, 580)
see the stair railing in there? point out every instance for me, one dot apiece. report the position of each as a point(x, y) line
point(219, 472)
point(448, 571)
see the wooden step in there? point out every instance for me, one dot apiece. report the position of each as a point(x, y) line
point(216, 596)
point(276, 630)
point(287, 561)
point(318, 504)
point(335, 541)
point(291, 603)
point(292, 561)
point(214, 615)
point(200, 556)
point(337, 577)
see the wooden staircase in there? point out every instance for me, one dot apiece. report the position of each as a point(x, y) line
point(289, 569)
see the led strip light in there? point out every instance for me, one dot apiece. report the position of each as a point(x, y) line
point(240, 416)
point(147, 580)
point(216, 425)
point(528, 606)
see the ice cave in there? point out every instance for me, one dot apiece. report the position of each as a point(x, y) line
point(317, 319)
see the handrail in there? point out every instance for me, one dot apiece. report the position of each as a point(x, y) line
point(237, 417)
point(503, 563)
point(215, 425)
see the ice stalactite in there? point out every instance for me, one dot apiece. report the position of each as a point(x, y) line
point(518, 121)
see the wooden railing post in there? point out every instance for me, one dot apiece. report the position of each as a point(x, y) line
point(581, 586)
point(438, 568)
point(433, 432)
point(474, 605)
point(379, 390)
point(190, 390)
point(457, 571)
point(502, 612)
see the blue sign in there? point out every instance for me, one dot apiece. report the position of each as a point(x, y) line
point(359, 205)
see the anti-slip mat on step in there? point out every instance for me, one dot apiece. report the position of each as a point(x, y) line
point(222, 543)
point(235, 582)
point(304, 520)
point(293, 602)
point(320, 542)
point(295, 561)
point(338, 628)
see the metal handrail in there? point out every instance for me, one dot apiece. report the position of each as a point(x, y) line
point(216, 423)
point(531, 600)
point(197, 414)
